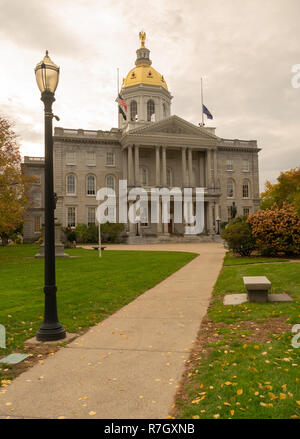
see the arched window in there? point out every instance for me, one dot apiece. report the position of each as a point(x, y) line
point(133, 110)
point(150, 110)
point(246, 190)
point(169, 177)
point(143, 176)
point(110, 181)
point(91, 185)
point(230, 188)
point(71, 184)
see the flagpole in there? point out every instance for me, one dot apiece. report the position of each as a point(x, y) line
point(99, 239)
point(118, 86)
point(202, 102)
point(118, 94)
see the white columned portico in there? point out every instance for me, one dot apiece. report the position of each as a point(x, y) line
point(190, 166)
point(157, 165)
point(137, 165)
point(164, 166)
point(183, 162)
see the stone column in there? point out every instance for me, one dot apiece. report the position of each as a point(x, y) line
point(125, 165)
point(183, 161)
point(131, 226)
point(159, 224)
point(137, 165)
point(164, 225)
point(157, 165)
point(210, 226)
point(164, 167)
point(202, 169)
point(215, 165)
point(208, 174)
point(130, 166)
point(190, 166)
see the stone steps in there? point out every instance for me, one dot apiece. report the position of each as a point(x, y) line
point(171, 239)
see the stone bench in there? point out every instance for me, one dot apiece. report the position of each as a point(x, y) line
point(257, 288)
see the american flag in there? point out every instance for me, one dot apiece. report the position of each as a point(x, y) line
point(121, 102)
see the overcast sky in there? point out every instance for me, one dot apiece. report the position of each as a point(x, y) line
point(244, 50)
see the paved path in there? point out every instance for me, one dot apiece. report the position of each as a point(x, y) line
point(129, 365)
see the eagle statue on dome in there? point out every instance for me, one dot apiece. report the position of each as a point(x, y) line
point(142, 36)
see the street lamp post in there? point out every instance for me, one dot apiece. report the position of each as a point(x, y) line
point(47, 74)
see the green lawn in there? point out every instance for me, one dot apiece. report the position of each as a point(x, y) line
point(244, 365)
point(89, 288)
point(239, 260)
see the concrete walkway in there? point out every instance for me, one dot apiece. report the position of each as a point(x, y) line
point(129, 365)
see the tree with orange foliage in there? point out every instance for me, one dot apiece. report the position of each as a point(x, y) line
point(13, 184)
point(287, 190)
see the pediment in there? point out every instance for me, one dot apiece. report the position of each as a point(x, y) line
point(173, 125)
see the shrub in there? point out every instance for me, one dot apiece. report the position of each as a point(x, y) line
point(223, 225)
point(238, 237)
point(92, 233)
point(40, 241)
point(276, 230)
point(81, 232)
point(69, 233)
point(110, 232)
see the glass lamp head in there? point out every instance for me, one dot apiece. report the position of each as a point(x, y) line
point(47, 74)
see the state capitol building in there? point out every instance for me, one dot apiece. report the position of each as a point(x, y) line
point(150, 148)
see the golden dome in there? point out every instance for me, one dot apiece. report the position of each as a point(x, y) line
point(144, 74)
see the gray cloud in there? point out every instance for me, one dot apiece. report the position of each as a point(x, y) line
point(37, 24)
point(243, 50)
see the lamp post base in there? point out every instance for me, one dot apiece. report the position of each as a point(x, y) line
point(51, 332)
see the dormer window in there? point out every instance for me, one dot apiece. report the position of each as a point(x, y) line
point(132, 75)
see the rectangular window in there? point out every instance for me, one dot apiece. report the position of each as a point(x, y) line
point(71, 185)
point(229, 213)
point(245, 190)
point(246, 211)
point(110, 159)
point(245, 165)
point(37, 224)
point(91, 158)
point(71, 158)
point(229, 166)
point(71, 220)
point(91, 215)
